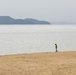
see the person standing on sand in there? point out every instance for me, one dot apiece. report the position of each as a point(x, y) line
point(56, 47)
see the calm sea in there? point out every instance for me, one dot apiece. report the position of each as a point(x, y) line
point(36, 38)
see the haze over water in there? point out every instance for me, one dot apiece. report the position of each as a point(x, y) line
point(36, 38)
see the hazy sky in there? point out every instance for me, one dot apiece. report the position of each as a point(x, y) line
point(49, 10)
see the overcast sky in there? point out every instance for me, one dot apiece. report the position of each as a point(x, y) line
point(49, 10)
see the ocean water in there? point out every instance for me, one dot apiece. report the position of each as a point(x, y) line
point(16, 39)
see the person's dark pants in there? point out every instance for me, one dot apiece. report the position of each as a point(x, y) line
point(56, 50)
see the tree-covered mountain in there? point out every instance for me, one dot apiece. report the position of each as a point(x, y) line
point(10, 20)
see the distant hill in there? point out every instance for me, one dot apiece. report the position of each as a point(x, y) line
point(63, 23)
point(10, 20)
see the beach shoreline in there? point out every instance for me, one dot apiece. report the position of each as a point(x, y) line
point(45, 63)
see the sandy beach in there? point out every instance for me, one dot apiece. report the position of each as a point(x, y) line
point(47, 63)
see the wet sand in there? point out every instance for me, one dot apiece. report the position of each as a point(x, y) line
point(47, 63)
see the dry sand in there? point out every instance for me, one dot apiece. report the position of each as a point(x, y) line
point(48, 63)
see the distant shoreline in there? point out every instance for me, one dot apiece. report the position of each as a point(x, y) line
point(26, 24)
point(10, 20)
